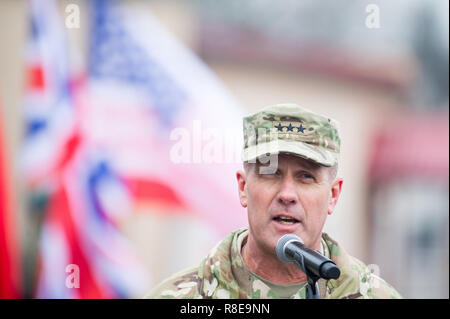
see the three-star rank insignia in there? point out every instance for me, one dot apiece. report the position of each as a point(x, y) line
point(288, 126)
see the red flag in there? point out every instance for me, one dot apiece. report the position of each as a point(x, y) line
point(9, 247)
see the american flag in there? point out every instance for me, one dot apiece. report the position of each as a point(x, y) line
point(141, 72)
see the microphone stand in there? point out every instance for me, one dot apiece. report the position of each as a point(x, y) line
point(312, 288)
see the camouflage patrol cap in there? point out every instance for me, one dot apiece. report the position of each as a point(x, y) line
point(290, 128)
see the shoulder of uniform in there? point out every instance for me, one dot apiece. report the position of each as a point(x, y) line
point(374, 287)
point(183, 284)
point(358, 281)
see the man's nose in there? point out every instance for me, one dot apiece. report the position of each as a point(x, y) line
point(287, 194)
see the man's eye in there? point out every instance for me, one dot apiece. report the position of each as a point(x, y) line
point(307, 176)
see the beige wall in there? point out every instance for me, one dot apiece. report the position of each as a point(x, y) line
point(12, 33)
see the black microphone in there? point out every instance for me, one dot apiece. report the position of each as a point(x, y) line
point(290, 248)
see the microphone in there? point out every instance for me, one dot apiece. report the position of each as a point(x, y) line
point(290, 248)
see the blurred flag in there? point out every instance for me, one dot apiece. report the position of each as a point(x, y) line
point(102, 146)
point(169, 128)
point(9, 247)
point(82, 252)
point(149, 98)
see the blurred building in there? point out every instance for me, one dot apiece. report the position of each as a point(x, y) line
point(409, 203)
point(325, 56)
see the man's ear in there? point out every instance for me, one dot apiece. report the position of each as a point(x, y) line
point(336, 187)
point(242, 187)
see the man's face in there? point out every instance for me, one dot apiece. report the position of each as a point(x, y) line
point(295, 199)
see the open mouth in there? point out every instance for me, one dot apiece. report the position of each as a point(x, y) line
point(285, 220)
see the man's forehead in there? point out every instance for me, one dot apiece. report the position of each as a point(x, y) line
point(284, 160)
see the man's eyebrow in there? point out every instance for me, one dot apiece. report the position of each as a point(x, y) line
point(306, 168)
point(307, 165)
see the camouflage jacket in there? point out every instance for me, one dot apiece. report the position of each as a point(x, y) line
point(222, 274)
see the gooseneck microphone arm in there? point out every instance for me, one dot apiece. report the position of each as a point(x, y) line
point(290, 249)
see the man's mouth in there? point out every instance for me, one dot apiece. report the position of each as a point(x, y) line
point(285, 220)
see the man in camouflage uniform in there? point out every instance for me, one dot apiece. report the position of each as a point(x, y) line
point(288, 185)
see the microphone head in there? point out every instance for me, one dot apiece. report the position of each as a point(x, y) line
point(329, 270)
point(281, 244)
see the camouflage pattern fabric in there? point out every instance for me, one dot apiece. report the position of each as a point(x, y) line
point(222, 275)
point(290, 128)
